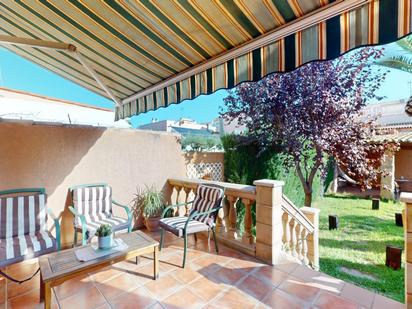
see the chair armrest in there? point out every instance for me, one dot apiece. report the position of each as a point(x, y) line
point(173, 206)
point(198, 214)
point(127, 209)
point(76, 214)
point(56, 225)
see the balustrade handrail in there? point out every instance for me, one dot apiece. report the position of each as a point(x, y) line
point(232, 189)
point(247, 192)
point(297, 214)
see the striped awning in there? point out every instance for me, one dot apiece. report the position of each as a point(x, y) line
point(151, 54)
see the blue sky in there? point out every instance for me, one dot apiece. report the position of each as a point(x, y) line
point(18, 73)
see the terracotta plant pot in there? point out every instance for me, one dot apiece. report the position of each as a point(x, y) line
point(152, 224)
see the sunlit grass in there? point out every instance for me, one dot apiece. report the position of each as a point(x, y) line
point(360, 242)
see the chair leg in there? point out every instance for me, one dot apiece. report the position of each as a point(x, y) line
point(161, 239)
point(184, 251)
point(215, 240)
point(85, 236)
point(75, 238)
point(208, 240)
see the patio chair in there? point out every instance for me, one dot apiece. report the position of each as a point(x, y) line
point(92, 206)
point(202, 216)
point(23, 227)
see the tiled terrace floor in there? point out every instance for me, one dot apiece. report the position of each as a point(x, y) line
point(227, 280)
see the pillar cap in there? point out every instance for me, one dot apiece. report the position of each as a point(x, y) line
point(406, 197)
point(269, 183)
point(312, 210)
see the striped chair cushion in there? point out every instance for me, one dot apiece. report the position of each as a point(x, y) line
point(20, 215)
point(206, 199)
point(95, 203)
point(19, 248)
point(93, 222)
point(176, 225)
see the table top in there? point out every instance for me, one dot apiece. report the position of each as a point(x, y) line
point(62, 263)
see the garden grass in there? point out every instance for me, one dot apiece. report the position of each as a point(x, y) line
point(360, 243)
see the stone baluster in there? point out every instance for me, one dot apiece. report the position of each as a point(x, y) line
point(298, 233)
point(293, 237)
point(232, 216)
point(176, 210)
point(304, 236)
point(247, 237)
point(222, 219)
point(286, 231)
point(312, 240)
point(186, 211)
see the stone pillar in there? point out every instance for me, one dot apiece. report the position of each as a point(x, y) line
point(269, 229)
point(388, 181)
point(313, 239)
point(406, 197)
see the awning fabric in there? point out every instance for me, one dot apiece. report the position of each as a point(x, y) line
point(134, 45)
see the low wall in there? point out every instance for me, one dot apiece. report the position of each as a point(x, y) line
point(59, 157)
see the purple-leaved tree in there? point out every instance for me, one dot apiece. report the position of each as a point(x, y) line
point(313, 113)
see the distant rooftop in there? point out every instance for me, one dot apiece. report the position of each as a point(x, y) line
point(390, 114)
point(21, 106)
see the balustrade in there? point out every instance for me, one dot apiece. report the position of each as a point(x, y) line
point(297, 227)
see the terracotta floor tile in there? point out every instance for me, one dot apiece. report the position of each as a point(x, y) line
point(254, 287)
point(157, 305)
point(30, 300)
point(73, 286)
point(137, 298)
point(119, 284)
point(381, 302)
point(182, 299)
point(287, 267)
point(299, 289)
point(105, 306)
point(357, 294)
point(271, 275)
point(234, 298)
point(85, 299)
point(281, 300)
point(186, 275)
point(247, 265)
point(328, 283)
point(163, 287)
point(305, 273)
point(330, 301)
point(206, 288)
point(228, 275)
point(15, 289)
point(106, 274)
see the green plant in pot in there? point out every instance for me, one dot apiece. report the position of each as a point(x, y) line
point(104, 236)
point(149, 203)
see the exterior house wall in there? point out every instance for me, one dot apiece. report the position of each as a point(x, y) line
point(403, 162)
point(59, 157)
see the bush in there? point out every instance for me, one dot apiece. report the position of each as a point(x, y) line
point(244, 163)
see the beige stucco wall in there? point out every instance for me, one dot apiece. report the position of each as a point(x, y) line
point(59, 157)
point(403, 162)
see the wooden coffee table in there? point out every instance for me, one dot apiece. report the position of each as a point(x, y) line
point(58, 267)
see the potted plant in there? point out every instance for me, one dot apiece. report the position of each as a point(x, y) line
point(104, 236)
point(149, 204)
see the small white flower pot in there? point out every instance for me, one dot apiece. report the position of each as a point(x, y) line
point(105, 242)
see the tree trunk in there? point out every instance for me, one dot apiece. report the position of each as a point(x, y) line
point(308, 198)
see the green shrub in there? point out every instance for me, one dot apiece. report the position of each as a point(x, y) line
point(244, 163)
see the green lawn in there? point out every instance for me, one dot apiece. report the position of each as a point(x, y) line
point(360, 241)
